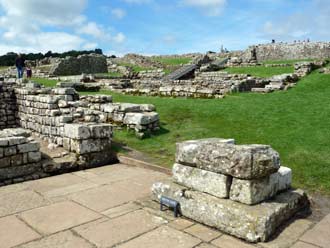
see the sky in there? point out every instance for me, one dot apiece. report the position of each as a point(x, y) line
point(153, 27)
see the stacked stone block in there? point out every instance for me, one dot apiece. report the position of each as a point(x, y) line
point(45, 111)
point(91, 142)
point(240, 189)
point(20, 156)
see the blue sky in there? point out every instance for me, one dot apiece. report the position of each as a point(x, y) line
point(157, 26)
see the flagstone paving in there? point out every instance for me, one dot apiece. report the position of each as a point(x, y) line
point(111, 207)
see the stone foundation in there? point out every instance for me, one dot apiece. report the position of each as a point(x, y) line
point(20, 156)
point(239, 189)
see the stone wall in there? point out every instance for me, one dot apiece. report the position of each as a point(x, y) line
point(287, 51)
point(20, 157)
point(205, 85)
point(7, 104)
point(88, 63)
point(240, 189)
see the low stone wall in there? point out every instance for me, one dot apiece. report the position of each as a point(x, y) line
point(240, 189)
point(155, 74)
point(205, 85)
point(20, 157)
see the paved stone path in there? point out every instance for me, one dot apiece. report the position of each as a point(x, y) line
point(110, 207)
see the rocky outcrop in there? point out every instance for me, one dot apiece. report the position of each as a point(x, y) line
point(88, 63)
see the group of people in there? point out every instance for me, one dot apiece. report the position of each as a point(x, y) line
point(20, 66)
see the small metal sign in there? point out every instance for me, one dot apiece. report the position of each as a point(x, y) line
point(170, 204)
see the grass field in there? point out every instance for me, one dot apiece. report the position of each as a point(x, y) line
point(294, 122)
point(260, 71)
point(46, 82)
point(172, 60)
point(291, 62)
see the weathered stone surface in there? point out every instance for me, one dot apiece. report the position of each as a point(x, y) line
point(77, 131)
point(140, 118)
point(186, 151)
point(89, 63)
point(252, 223)
point(202, 180)
point(240, 161)
point(257, 190)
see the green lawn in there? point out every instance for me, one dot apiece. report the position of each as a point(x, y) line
point(260, 71)
point(136, 68)
point(172, 60)
point(294, 122)
point(291, 62)
point(46, 82)
point(110, 74)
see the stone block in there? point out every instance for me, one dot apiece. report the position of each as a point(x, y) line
point(16, 140)
point(28, 147)
point(101, 130)
point(85, 146)
point(251, 223)
point(201, 180)
point(16, 160)
point(186, 151)
point(77, 131)
point(9, 151)
point(258, 190)
point(140, 118)
point(4, 162)
point(34, 157)
point(240, 161)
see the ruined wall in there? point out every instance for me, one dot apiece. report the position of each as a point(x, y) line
point(88, 63)
point(205, 85)
point(7, 105)
point(20, 157)
point(287, 51)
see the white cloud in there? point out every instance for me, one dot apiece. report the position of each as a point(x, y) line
point(210, 7)
point(118, 13)
point(119, 38)
point(43, 25)
point(92, 29)
point(312, 23)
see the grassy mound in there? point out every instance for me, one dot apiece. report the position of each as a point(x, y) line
point(294, 122)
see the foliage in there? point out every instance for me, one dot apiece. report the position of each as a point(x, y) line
point(9, 58)
point(294, 122)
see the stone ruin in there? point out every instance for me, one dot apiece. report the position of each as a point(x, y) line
point(241, 190)
point(87, 63)
point(82, 126)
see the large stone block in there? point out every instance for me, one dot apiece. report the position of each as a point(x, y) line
point(202, 180)
point(186, 151)
point(140, 118)
point(252, 223)
point(77, 131)
point(240, 161)
point(258, 190)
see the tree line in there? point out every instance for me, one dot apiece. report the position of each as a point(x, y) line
point(9, 58)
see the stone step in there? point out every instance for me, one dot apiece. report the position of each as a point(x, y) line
point(251, 223)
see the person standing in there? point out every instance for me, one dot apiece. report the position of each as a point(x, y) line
point(20, 64)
